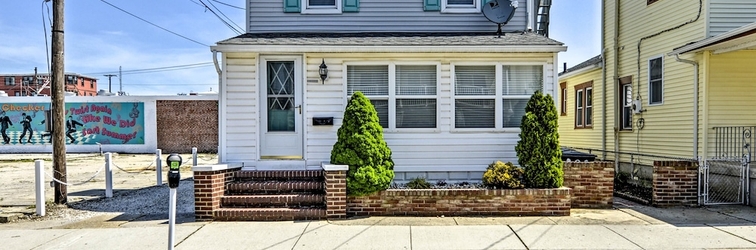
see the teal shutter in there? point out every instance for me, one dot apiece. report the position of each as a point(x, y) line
point(350, 6)
point(291, 6)
point(431, 5)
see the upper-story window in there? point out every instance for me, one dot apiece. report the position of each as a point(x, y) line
point(460, 6)
point(91, 84)
point(321, 6)
point(655, 81)
point(9, 80)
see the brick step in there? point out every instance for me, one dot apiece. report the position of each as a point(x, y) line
point(288, 200)
point(274, 187)
point(283, 175)
point(269, 214)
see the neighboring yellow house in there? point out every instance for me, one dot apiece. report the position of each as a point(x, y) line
point(678, 80)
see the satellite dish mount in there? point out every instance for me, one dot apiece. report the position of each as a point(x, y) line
point(500, 11)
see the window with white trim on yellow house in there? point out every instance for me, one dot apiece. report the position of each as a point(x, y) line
point(413, 101)
point(584, 105)
point(655, 81)
point(625, 99)
point(479, 97)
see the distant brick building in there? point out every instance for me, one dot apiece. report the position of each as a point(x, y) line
point(29, 84)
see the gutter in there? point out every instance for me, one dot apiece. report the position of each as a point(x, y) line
point(695, 102)
point(260, 48)
point(615, 78)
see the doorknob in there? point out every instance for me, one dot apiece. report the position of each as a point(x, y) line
point(299, 107)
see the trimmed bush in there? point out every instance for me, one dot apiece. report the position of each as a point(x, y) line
point(503, 175)
point(538, 150)
point(360, 145)
point(418, 183)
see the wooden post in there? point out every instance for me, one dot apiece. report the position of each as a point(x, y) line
point(58, 104)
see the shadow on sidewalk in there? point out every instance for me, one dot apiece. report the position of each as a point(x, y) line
point(689, 216)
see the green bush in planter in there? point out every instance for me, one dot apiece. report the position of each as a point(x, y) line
point(538, 150)
point(503, 175)
point(360, 145)
point(418, 183)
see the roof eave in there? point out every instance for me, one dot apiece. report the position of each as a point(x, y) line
point(580, 71)
point(703, 44)
point(388, 48)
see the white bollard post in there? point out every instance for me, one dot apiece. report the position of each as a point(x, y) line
point(159, 166)
point(39, 184)
point(108, 175)
point(172, 219)
point(194, 156)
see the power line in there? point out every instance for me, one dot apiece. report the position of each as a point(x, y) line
point(220, 18)
point(155, 24)
point(156, 69)
point(232, 6)
point(224, 15)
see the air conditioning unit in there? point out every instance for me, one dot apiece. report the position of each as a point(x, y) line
point(637, 107)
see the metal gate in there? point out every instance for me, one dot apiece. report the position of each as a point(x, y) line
point(725, 181)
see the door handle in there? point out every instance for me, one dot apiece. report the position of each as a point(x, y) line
point(299, 107)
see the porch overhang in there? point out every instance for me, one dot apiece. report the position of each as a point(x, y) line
point(390, 43)
point(743, 38)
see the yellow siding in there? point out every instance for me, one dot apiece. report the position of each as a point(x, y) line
point(668, 127)
point(731, 92)
point(588, 137)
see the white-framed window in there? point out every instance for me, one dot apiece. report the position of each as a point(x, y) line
point(404, 95)
point(579, 108)
point(493, 96)
point(626, 100)
point(655, 81)
point(584, 105)
point(321, 6)
point(10, 80)
point(460, 6)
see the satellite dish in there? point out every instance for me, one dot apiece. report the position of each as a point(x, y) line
point(500, 11)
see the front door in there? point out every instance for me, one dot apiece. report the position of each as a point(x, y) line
point(281, 108)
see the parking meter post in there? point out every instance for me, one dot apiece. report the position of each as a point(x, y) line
point(108, 175)
point(39, 185)
point(194, 156)
point(172, 219)
point(174, 176)
point(159, 166)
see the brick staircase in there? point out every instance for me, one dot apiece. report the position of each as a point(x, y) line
point(273, 196)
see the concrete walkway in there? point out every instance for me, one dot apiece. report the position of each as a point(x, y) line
point(628, 226)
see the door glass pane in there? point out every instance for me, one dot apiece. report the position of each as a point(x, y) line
point(281, 96)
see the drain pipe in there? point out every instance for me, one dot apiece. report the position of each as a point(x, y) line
point(603, 79)
point(695, 102)
point(221, 117)
point(695, 114)
point(615, 78)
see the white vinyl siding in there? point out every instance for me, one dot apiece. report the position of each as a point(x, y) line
point(726, 15)
point(655, 81)
point(241, 108)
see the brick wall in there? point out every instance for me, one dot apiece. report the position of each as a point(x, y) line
point(462, 202)
point(336, 198)
point(183, 124)
point(675, 183)
point(592, 183)
point(209, 187)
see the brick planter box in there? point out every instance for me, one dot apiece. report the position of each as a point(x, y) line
point(592, 183)
point(675, 183)
point(462, 202)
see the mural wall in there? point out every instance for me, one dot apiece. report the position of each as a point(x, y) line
point(87, 123)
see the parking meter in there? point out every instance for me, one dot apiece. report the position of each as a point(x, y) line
point(174, 162)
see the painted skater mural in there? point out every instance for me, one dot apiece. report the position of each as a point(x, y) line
point(86, 123)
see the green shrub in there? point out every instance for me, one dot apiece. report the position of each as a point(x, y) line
point(360, 145)
point(503, 175)
point(418, 183)
point(538, 150)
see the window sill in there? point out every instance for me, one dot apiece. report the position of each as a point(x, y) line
point(321, 12)
point(460, 10)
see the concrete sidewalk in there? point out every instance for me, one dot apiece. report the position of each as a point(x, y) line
point(628, 226)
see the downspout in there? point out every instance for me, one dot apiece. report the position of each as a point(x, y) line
point(615, 78)
point(220, 104)
point(532, 17)
point(695, 111)
point(603, 79)
point(695, 102)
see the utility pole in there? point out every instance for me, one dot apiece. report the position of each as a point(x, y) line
point(109, 76)
point(120, 81)
point(58, 104)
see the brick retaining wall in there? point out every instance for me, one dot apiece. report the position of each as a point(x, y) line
point(592, 183)
point(675, 183)
point(209, 187)
point(183, 124)
point(462, 202)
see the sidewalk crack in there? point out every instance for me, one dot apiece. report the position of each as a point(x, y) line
point(190, 235)
point(741, 237)
point(518, 237)
point(300, 235)
point(620, 235)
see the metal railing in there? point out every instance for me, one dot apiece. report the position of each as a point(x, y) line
point(732, 142)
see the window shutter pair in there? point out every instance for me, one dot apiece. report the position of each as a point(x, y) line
point(435, 5)
point(293, 6)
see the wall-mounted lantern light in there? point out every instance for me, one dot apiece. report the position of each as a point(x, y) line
point(323, 71)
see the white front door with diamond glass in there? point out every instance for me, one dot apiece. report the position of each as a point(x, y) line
point(281, 108)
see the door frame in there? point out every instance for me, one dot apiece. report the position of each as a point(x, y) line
point(298, 97)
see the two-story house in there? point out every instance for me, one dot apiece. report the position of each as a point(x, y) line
point(450, 92)
point(675, 79)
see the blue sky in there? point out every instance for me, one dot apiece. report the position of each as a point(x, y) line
point(99, 38)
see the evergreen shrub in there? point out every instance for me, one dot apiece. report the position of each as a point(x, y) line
point(538, 150)
point(360, 145)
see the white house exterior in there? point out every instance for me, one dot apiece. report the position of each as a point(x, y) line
point(449, 92)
